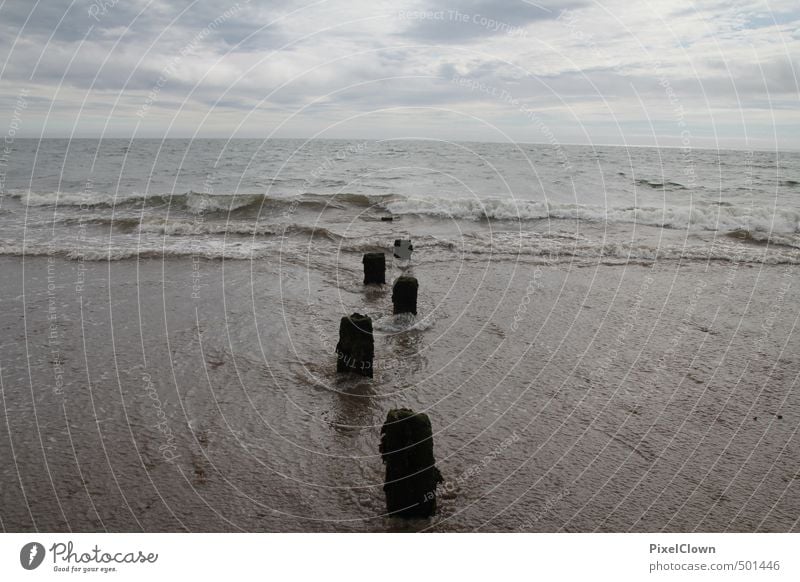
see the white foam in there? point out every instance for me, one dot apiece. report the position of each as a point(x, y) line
point(511, 247)
point(88, 199)
point(402, 322)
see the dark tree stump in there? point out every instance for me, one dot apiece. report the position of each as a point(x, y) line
point(411, 474)
point(374, 268)
point(404, 295)
point(356, 347)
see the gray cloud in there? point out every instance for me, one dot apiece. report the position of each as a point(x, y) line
point(123, 29)
point(67, 21)
point(342, 60)
point(444, 21)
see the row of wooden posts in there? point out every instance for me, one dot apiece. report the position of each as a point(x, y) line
point(406, 445)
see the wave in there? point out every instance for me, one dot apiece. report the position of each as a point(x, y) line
point(351, 199)
point(711, 217)
point(120, 253)
point(199, 202)
point(764, 238)
point(188, 227)
point(556, 248)
point(666, 185)
point(544, 248)
point(191, 228)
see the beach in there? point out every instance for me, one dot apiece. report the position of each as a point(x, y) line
point(606, 398)
point(169, 367)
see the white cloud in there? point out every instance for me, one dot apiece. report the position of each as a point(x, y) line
point(596, 68)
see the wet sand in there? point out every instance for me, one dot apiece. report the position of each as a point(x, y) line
point(198, 395)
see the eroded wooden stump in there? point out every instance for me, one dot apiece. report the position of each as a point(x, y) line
point(404, 295)
point(411, 474)
point(374, 268)
point(356, 347)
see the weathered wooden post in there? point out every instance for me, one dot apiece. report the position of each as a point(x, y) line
point(411, 474)
point(356, 347)
point(404, 295)
point(374, 268)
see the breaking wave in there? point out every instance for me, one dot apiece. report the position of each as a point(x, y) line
point(665, 185)
point(190, 228)
point(198, 202)
point(711, 217)
point(546, 248)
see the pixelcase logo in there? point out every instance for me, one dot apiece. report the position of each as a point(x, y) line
point(31, 555)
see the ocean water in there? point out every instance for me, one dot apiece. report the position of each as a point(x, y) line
point(240, 198)
point(605, 341)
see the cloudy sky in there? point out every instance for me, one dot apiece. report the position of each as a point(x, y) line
point(710, 72)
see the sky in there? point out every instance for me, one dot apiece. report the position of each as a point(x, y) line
point(711, 73)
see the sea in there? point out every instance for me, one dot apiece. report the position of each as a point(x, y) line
point(605, 339)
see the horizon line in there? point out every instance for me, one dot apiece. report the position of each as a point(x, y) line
point(789, 149)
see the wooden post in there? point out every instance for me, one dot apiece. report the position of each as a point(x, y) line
point(356, 347)
point(374, 268)
point(411, 474)
point(404, 295)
